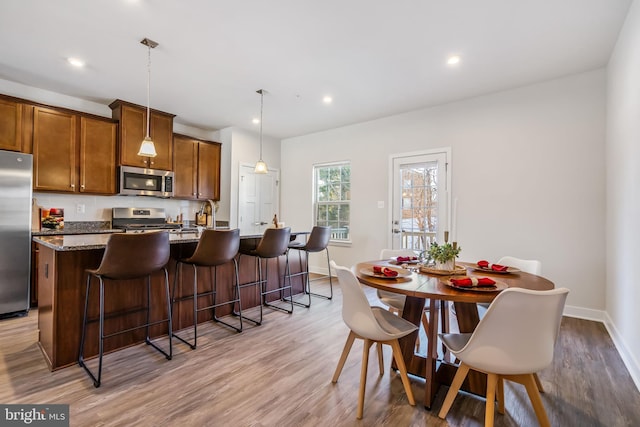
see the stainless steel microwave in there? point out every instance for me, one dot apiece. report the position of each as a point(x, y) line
point(145, 182)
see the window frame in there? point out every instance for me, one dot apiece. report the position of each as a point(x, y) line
point(317, 202)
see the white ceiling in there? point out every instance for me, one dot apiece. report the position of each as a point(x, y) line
point(375, 57)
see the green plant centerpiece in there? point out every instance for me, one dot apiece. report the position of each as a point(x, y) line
point(443, 255)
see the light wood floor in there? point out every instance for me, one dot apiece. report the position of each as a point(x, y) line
point(279, 374)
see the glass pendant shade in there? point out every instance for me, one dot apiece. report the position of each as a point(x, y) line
point(261, 167)
point(147, 148)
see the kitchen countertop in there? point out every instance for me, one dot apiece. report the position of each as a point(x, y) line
point(81, 242)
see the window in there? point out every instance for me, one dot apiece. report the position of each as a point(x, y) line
point(332, 198)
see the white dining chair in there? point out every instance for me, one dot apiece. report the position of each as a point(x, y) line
point(531, 266)
point(514, 339)
point(395, 301)
point(370, 324)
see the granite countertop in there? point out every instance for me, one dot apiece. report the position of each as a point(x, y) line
point(83, 242)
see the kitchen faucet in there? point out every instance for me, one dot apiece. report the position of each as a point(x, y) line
point(212, 204)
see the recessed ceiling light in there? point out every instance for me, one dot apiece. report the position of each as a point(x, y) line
point(256, 121)
point(453, 60)
point(75, 62)
point(327, 99)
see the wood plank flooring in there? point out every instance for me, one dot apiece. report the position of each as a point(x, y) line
point(279, 374)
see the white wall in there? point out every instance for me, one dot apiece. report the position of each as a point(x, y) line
point(623, 197)
point(528, 172)
point(245, 149)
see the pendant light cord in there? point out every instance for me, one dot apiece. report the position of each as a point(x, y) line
point(148, 89)
point(261, 104)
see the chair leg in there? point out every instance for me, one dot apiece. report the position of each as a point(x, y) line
point(343, 357)
point(236, 298)
point(461, 374)
point(492, 381)
point(380, 358)
point(397, 354)
point(534, 395)
point(363, 377)
point(538, 383)
point(500, 395)
point(330, 296)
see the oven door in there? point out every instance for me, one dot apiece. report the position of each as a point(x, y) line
point(145, 182)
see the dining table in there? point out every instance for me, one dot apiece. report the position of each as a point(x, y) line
point(437, 292)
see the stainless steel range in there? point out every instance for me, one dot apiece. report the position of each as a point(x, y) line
point(141, 219)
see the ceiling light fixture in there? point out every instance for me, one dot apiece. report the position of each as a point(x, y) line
point(453, 60)
point(327, 99)
point(76, 62)
point(261, 166)
point(147, 148)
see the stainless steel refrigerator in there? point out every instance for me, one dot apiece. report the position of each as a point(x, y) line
point(15, 232)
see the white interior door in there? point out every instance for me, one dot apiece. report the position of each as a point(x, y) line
point(258, 200)
point(420, 205)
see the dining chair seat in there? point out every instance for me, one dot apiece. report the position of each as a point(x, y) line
point(371, 324)
point(318, 242)
point(215, 248)
point(515, 339)
point(128, 256)
point(396, 301)
point(273, 244)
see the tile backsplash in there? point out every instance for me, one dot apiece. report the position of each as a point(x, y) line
point(98, 208)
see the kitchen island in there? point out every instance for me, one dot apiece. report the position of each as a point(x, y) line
point(61, 274)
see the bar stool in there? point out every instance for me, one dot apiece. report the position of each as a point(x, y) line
point(317, 242)
point(273, 244)
point(128, 256)
point(215, 247)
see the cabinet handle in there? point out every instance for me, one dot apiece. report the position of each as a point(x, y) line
point(193, 194)
point(152, 162)
point(73, 186)
point(46, 271)
point(199, 194)
point(82, 186)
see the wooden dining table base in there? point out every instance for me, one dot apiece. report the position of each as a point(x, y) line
point(436, 371)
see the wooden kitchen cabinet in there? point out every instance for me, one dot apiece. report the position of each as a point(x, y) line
point(73, 153)
point(196, 168)
point(54, 150)
point(133, 129)
point(98, 142)
point(11, 125)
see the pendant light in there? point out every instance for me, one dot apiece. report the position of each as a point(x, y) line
point(261, 166)
point(147, 148)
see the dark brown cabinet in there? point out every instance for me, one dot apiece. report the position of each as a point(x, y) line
point(196, 168)
point(54, 150)
point(133, 129)
point(98, 142)
point(11, 127)
point(73, 153)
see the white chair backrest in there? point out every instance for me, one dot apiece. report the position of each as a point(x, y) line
point(518, 333)
point(356, 311)
point(388, 253)
point(532, 266)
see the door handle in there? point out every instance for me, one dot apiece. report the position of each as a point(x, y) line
point(260, 223)
point(397, 231)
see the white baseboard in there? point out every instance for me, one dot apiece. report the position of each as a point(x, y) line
point(584, 313)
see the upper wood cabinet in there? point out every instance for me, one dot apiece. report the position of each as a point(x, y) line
point(133, 129)
point(196, 168)
point(11, 125)
point(98, 142)
point(73, 153)
point(54, 150)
